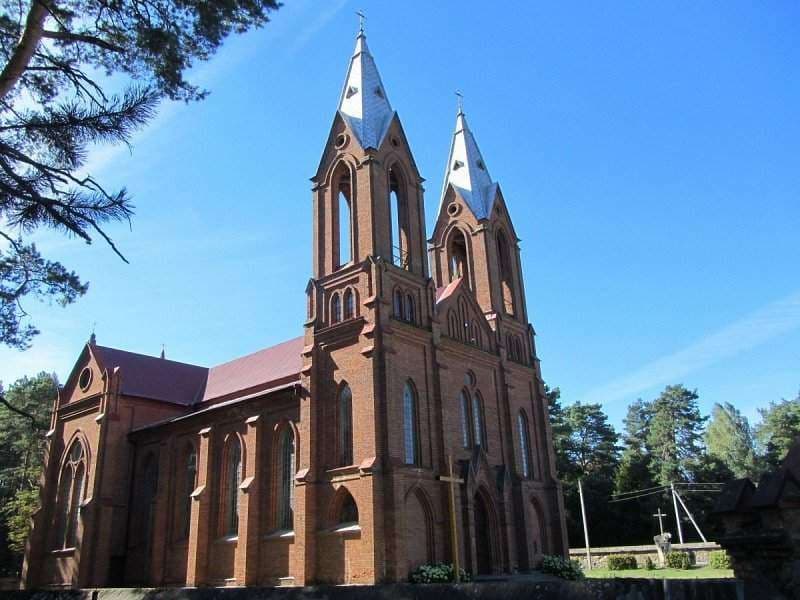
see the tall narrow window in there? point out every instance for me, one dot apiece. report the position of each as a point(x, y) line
point(410, 428)
point(398, 304)
point(345, 426)
point(524, 444)
point(336, 308)
point(466, 432)
point(349, 304)
point(344, 209)
point(398, 210)
point(70, 496)
point(506, 276)
point(233, 478)
point(409, 313)
point(458, 255)
point(286, 469)
point(478, 421)
point(189, 476)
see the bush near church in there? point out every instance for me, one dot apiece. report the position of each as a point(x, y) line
point(649, 565)
point(438, 573)
point(621, 562)
point(562, 567)
point(679, 560)
point(719, 559)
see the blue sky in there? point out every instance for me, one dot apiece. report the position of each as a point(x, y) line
point(649, 155)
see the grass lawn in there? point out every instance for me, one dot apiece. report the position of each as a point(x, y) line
point(693, 573)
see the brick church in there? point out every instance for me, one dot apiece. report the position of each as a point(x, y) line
point(320, 459)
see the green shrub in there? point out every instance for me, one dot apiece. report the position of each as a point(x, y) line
point(649, 564)
point(438, 573)
point(719, 559)
point(621, 562)
point(562, 567)
point(679, 560)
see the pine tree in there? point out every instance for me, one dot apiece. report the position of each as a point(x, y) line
point(779, 427)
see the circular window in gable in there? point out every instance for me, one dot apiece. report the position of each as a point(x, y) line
point(341, 140)
point(85, 379)
point(453, 209)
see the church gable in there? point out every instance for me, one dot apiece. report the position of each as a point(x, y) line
point(86, 379)
point(461, 317)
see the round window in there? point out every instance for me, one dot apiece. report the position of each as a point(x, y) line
point(453, 209)
point(341, 140)
point(85, 378)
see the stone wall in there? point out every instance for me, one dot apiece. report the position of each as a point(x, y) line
point(597, 589)
point(699, 551)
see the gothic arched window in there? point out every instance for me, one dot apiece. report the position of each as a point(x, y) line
point(187, 480)
point(466, 426)
point(70, 496)
point(336, 308)
point(506, 272)
point(232, 479)
point(398, 210)
point(478, 421)
point(345, 426)
point(409, 312)
point(524, 443)
point(398, 304)
point(343, 248)
point(349, 304)
point(285, 472)
point(457, 255)
point(410, 426)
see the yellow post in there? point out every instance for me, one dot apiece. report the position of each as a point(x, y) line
point(452, 480)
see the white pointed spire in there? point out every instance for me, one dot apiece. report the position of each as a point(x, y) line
point(466, 171)
point(364, 103)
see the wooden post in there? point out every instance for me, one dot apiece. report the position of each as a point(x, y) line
point(452, 480)
point(585, 528)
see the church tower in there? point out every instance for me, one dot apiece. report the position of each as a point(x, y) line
point(474, 238)
point(367, 351)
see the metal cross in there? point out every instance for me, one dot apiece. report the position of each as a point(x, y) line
point(460, 101)
point(660, 517)
point(453, 481)
point(361, 18)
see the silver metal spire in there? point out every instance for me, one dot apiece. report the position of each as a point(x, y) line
point(466, 170)
point(364, 103)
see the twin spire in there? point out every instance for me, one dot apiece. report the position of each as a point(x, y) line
point(365, 107)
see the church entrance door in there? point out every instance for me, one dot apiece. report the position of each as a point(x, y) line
point(483, 538)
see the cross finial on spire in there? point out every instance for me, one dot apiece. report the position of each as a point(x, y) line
point(460, 102)
point(93, 337)
point(163, 351)
point(361, 19)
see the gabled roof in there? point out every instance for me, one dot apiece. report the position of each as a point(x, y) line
point(144, 376)
point(466, 171)
point(154, 378)
point(364, 104)
point(270, 365)
point(444, 292)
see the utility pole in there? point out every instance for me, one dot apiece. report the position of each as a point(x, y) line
point(452, 480)
point(585, 528)
point(691, 518)
point(660, 516)
point(677, 514)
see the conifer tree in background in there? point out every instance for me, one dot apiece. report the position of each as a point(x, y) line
point(779, 427)
point(21, 455)
point(730, 440)
point(57, 58)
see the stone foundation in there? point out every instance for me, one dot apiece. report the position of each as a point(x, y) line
point(699, 552)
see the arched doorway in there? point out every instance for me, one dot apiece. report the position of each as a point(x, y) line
point(535, 532)
point(483, 536)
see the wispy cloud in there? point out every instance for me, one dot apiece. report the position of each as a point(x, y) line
point(766, 323)
point(322, 19)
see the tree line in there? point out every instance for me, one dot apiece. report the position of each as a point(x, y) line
point(664, 440)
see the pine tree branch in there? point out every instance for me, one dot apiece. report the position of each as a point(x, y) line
point(23, 53)
point(36, 425)
point(69, 37)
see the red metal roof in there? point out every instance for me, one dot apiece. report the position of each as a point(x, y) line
point(280, 362)
point(155, 378)
point(185, 384)
point(446, 291)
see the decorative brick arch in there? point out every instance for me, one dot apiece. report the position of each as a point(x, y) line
point(486, 533)
point(419, 528)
